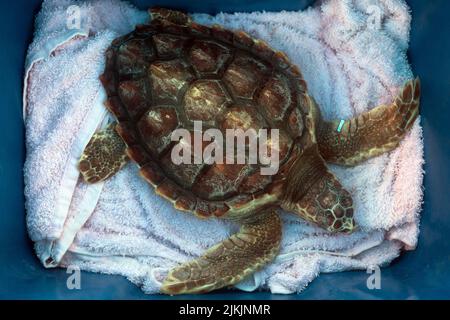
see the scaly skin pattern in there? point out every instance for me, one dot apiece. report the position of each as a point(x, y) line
point(372, 133)
point(103, 156)
point(327, 204)
point(227, 263)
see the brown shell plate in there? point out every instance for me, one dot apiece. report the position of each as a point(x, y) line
point(164, 76)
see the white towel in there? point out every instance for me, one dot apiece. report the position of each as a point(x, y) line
point(353, 57)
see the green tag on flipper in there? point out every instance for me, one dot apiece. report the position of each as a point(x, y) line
point(341, 124)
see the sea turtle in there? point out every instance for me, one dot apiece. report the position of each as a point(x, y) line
point(171, 72)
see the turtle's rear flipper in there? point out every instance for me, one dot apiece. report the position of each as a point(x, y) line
point(104, 155)
point(229, 262)
point(371, 133)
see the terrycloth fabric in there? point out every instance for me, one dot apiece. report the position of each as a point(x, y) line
point(352, 55)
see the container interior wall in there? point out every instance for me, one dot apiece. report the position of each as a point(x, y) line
point(422, 273)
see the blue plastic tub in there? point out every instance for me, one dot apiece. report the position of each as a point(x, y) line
point(420, 274)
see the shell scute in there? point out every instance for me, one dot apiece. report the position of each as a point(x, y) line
point(199, 30)
point(168, 45)
point(135, 95)
point(254, 182)
point(152, 173)
point(125, 130)
point(109, 82)
point(242, 117)
point(220, 180)
point(281, 60)
point(262, 49)
point(137, 154)
point(275, 97)
point(133, 56)
point(208, 57)
point(175, 28)
point(205, 100)
point(168, 79)
point(205, 209)
point(222, 34)
point(168, 190)
point(295, 123)
point(186, 203)
point(120, 40)
point(183, 174)
point(202, 209)
point(244, 75)
point(114, 105)
point(243, 40)
point(156, 126)
point(144, 30)
point(219, 209)
point(281, 144)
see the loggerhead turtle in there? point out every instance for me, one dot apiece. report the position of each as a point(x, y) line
point(171, 72)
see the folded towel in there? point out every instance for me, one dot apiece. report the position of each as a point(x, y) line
point(353, 57)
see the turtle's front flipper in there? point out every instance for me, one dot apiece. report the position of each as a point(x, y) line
point(371, 133)
point(104, 155)
point(227, 263)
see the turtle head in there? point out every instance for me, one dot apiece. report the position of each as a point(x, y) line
point(327, 209)
point(314, 193)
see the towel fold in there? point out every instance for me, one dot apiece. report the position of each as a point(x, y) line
point(353, 57)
